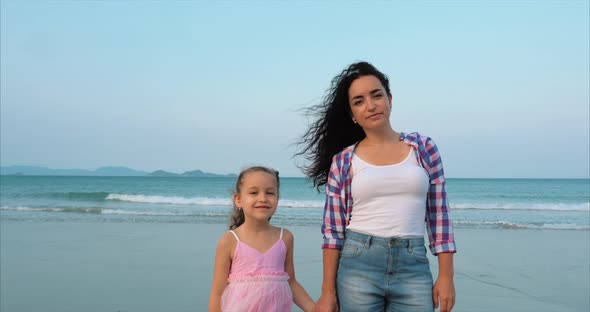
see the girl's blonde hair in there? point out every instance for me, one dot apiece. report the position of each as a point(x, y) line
point(237, 217)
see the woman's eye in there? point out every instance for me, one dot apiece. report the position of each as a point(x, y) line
point(378, 96)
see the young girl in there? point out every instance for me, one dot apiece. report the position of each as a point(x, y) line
point(254, 268)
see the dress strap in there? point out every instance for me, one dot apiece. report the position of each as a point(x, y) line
point(281, 237)
point(236, 235)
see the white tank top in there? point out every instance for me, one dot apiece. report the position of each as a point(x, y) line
point(389, 201)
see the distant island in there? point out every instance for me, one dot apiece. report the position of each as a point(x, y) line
point(103, 171)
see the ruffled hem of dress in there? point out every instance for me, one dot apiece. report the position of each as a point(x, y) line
point(259, 277)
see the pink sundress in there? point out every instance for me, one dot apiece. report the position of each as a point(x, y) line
point(258, 281)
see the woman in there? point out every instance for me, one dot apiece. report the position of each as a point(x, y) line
point(383, 188)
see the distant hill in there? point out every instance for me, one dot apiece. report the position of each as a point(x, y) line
point(201, 174)
point(193, 174)
point(102, 171)
point(162, 173)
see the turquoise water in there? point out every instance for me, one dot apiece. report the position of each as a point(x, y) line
point(476, 203)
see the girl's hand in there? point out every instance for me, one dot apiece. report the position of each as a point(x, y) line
point(444, 291)
point(326, 303)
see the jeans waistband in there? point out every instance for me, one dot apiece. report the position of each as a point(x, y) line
point(391, 241)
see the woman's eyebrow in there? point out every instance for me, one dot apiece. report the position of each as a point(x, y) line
point(372, 92)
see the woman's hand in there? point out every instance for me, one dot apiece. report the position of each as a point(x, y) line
point(326, 303)
point(444, 292)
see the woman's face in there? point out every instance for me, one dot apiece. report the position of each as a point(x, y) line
point(369, 103)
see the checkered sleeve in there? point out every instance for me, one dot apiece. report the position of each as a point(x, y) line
point(438, 221)
point(334, 208)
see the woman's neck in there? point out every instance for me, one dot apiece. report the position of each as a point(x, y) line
point(380, 136)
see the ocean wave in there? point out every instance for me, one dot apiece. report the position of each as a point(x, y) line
point(221, 215)
point(523, 206)
point(80, 196)
point(108, 211)
point(204, 201)
point(288, 202)
point(55, 209)
point(293, 203)
point(175, 200)
point(512, 225)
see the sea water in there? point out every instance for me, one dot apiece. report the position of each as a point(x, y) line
point(555, 204)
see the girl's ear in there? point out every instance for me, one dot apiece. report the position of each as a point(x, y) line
point(237, 200)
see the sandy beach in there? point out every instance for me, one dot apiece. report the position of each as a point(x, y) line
point(93, 266)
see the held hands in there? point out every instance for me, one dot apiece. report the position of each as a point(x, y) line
point(444, 291)
point(326, 303)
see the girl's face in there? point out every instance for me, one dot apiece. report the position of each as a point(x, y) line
point(258, 195)
point(369, 103)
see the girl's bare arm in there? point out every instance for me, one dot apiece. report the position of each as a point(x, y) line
point(220, 271)
point(301, 298)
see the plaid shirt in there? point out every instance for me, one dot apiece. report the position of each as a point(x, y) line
point(338, 206)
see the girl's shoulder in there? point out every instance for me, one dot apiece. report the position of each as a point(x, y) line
point(286, 233)
point(227, 240)
point(288, 238)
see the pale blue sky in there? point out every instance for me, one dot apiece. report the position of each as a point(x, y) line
point(501, 86)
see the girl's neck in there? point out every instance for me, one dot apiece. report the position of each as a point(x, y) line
point(256, 226)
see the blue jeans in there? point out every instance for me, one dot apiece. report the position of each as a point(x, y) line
point(383, 274)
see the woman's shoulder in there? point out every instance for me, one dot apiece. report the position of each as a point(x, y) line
point(417, 138)
point(344, 153)
point(347, 150)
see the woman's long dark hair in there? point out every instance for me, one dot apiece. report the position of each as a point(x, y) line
point(333, 128)
point(237, 217)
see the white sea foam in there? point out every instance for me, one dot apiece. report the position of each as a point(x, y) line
point(175, 200)
point(513, 225)
point(288, 203)
point(292, 203)
point(524, 206)
point(204, 201)
point(112, 211)
point(151, 213)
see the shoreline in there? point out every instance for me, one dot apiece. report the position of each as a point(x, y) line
point(108, 266)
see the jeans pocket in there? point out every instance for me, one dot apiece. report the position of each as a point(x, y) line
point(351, 249)
point(419, 253)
